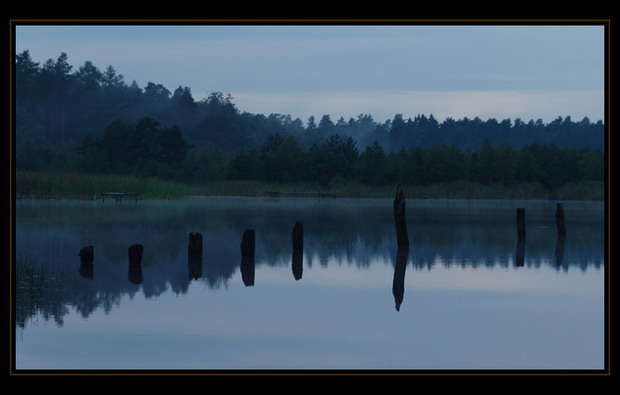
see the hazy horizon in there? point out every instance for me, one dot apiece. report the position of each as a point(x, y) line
point(511, 71)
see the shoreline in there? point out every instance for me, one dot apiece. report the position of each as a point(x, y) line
point(193, 196)
point(41, 185)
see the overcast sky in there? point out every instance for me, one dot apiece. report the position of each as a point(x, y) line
point(523, 71)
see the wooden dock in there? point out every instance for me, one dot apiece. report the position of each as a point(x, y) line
point(301, 194)
point(118, 196)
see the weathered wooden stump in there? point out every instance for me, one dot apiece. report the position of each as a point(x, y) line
point(87, 254)
point(520, 254)
point(559, 219)
point(248, 243)
point(521, 222)
point(135, 254)
point(298, 236)
point(400, 221)
point(194, 247)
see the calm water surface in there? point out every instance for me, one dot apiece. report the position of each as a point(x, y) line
point(465, 295)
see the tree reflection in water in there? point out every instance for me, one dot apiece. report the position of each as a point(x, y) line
point(335, 231)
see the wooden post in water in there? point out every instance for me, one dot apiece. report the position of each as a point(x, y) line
point(194, 248)
point(561, 224)
point(559, 219)
point(298, 236)
point(521, 222)
point(87, 254)
point(520, 255)
point(135, 254)
point(400, 220)
point(248, 244)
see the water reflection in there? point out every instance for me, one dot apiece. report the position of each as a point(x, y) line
point(86, 262)
point(194, 267)
point(559, 249)
point(298, 264)
point(135, 274)
point(50, 235)
point(248, 270)
point(194, 256)
point(398, 285)
point(520, 254)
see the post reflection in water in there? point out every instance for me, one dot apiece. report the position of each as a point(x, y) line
point(87, 270)
point(194, 266)
point(342, 235)
point(297, 265)
point(559, 249)
point(86, 262)
point(398, 284)
point(194, 256)
point(298, 250)
point(135, 263)
point(135, 274)
point(248, 247)
point(247, 271)
point(520, 254)
point(248, 243)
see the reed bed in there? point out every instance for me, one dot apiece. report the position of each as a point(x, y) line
point(88, 186)
point(581, 190)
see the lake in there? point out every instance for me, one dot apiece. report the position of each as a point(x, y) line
point(466, 295)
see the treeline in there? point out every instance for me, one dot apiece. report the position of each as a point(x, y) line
point(91, 121)
point(337, 159)
point(149, 149)
point(55, 104)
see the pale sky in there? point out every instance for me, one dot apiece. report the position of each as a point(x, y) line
point(519, 71)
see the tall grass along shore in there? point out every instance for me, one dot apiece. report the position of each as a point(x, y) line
point(88, 186)
point(44, 185)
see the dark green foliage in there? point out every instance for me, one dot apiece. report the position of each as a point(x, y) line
point(91, 121)
point(246, 165)
point(282, 159)
point(373, 165)
point(149, 149)
point(61, 104)
point(146, 149)
point(334, 158)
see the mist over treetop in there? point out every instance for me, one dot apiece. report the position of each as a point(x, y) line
point(58, 104)
point(91, 121)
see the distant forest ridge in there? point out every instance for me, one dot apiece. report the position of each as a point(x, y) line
point(55, 104)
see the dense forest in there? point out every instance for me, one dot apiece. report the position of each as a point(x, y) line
point(92, 121)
